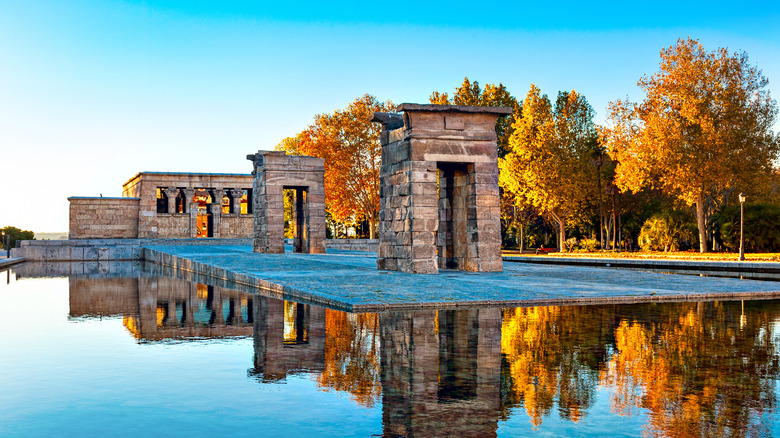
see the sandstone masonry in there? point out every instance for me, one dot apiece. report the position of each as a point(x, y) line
point(168, 205)
point(439, 196)
point(274, 172)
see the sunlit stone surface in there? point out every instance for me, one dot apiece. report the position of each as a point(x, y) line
point(439, 197)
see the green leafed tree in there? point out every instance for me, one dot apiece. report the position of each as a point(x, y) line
point(15, 234)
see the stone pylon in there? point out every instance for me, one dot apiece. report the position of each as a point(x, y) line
point(439, 197)
point(274, 172)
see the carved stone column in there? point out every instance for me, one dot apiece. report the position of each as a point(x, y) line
point(237, 194)
point(216, 211)
point(171, 193)
point(189, 201)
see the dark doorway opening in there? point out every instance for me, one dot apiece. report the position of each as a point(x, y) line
point(457, 214)
point(297, 217)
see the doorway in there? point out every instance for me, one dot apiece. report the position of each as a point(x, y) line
point(457, 214)
point(296, 217)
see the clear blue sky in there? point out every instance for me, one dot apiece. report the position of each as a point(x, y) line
point(92, 92)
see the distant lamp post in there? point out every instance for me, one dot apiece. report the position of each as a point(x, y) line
point(742, 197)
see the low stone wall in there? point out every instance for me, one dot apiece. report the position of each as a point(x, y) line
point(103, 249)
point(353, 244)
point(103, 218)
point(94, 250)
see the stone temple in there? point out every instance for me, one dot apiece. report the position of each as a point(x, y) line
point(274, 172)
point(168, 205)
point(439, 199)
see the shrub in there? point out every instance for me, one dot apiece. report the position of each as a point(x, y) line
point(571, 243)
point(666, 231)
point(589, 245)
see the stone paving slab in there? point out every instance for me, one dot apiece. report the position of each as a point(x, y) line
point(349, 280)
point(8, 262)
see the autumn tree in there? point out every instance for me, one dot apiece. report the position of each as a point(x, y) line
point(515, 214)
point(702, 134)
point(469, 93)
point(349, 143)
point(547, 163)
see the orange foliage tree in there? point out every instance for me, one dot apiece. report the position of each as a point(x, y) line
point(702, 133)
point(349, 143)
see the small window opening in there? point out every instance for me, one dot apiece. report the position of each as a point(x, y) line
point(162, 201)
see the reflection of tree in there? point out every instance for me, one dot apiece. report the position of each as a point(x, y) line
point(696, 370)
point(550, 359)
point(352, 355)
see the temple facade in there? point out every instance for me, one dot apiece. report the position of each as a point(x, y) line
point(168, 205)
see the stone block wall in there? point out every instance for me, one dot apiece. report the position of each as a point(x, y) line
point(236, 226)
point(274, 172)
point(103, 218)
point(439, 196)
point(175, 225)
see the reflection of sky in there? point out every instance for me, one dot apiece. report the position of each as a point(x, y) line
point(203, 315)
point(90, 378)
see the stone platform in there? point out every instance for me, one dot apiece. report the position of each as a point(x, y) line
point(349, 280)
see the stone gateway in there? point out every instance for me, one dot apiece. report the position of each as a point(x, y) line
point(274, 172)
point(439, 196)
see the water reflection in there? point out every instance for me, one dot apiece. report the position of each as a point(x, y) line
point(686, 369)
point(161, 308)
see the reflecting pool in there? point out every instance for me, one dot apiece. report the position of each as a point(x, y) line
point(123, 349)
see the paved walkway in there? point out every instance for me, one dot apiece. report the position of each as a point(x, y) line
point(7, 262)
point(350, 280)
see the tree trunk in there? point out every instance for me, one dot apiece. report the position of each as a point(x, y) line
point(521, 244)
point(561, 232)
point(371, 228)
point(601, 208)
point(701, 223)
point(614, 222)
point(619, 232)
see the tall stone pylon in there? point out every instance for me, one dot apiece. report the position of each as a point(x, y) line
point(439, 196)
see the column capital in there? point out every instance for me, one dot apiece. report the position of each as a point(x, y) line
point(171, 192)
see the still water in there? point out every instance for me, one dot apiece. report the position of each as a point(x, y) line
point(121, 351)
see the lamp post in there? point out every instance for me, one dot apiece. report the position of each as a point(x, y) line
point(742, 197)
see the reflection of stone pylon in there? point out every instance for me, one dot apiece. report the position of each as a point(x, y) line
point(451, 378)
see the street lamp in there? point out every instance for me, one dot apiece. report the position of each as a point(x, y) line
point(742, 197)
